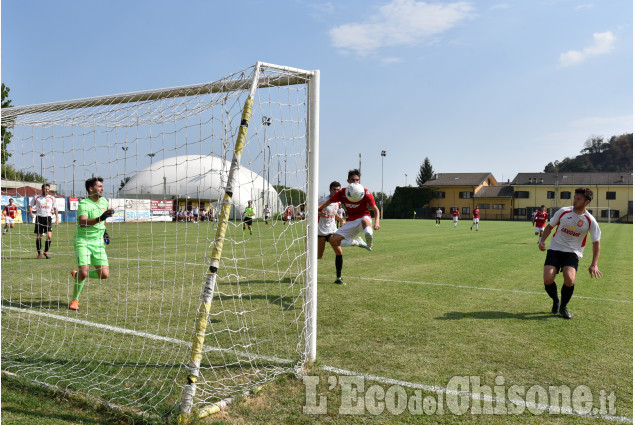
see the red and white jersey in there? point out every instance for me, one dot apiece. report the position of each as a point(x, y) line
point(455, 213)
point(44, 205)
point(10, 210)
point(327, 225)
point(475, 212)
point(541, 218)
point(571, 231)
point(355, 210)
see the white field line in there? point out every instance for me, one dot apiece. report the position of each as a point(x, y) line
point(145, 334)
point(380, 379)
point(449, 285)
point(515, 291)
point(473, 396)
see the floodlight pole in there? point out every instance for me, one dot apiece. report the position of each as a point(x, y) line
point(74, 161)
point(383, 155)
point(42, 166)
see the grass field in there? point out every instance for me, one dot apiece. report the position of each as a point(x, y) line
point(428, 304)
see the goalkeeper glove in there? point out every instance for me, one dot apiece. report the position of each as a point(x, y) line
point(105, 215)
point(106, 238)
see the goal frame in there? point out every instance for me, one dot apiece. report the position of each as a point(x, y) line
point(312, 80)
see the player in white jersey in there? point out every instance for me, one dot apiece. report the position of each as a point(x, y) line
point(572, 226)
point(328, 217)
point(42, 208)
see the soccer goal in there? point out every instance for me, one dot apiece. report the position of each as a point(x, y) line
point(603, 213)
point(202, 302)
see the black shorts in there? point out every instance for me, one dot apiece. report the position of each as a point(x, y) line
point(247, 221)
point(43, 225)
point(561, 259)
point(326, 236)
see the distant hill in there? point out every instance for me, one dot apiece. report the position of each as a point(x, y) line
point(599, 155)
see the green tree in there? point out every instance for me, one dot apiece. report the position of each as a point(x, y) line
point(406, 199)
point(123, 182)
point(425, 172)
point(599, 156)
point(6, 134)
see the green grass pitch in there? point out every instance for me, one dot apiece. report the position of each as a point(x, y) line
point(428, 303)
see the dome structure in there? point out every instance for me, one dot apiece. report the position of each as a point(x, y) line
point(200, 177)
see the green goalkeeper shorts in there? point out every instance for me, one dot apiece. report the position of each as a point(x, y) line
point(93, 254)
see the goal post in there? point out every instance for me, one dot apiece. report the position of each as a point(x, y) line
point(202, 302)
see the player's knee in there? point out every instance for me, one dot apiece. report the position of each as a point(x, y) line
point(103, 274)
point(82, 274)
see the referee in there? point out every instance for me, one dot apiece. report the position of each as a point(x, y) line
point(42, 208)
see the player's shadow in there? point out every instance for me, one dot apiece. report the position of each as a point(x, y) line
point(489, 315)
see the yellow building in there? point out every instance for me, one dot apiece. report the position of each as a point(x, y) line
point(468, 190)
point(612, 201)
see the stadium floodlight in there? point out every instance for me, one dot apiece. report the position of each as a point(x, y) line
point(383, 155)
point(191, 315)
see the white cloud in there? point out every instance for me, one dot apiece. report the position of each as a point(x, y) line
point(500, 6)
point(401, 22)
point(388, 61)
point(603, 42)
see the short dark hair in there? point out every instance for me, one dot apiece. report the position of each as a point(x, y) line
point(91, 182)
point(586, 192)
point(542, 206)
point(45, 185)
point(354, 172)
point(333, 184)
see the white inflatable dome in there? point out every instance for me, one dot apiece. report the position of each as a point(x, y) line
point(200, 177)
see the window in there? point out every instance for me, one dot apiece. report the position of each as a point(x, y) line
point(610, 195)
point(565, 195)
point(551, 194)
point(439, 195)
point(614, 213)
point(465, 210)
point(498, 206)
point(521, 194)
point(482, 206)
point(520, 211)
point(465, 195)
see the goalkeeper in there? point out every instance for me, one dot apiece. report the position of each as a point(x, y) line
point(91, 238)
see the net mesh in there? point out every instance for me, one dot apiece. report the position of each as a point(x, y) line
point(165, 158)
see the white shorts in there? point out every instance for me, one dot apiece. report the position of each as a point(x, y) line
point(539, 229)
point(475, 220)
point(9, 220)
point(350, 229)
point(455, 219)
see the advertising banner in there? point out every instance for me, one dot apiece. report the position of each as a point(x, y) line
point(73, 203)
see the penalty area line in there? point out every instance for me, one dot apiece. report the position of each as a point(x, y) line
point(477, 396)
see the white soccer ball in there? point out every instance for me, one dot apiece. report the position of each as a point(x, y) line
point(355, 192)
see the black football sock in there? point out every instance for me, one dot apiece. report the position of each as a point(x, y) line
point(38, 245)
point(339, 261)
point(552, 290)
point(47, 244)
point(566, 293)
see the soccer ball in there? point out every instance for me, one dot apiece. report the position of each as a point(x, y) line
point(355, 192)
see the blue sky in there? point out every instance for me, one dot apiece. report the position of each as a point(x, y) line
point(488, 86)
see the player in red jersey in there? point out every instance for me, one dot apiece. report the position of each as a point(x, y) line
point(9, 213)
point(475, 212)
point(540, 221)
point(359, 220)
point(455, 216)
point(572, 226)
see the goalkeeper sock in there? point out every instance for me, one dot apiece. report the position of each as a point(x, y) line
point(552, 290)
point(93, 274)
point(346, 242)
point(38, 245)
point(566, 293)
point(79, 285)
point(339, 262)
point(47, 244)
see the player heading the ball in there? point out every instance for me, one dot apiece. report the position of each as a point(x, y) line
point(359, 219)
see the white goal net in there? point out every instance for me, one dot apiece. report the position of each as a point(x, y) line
point(203, 301)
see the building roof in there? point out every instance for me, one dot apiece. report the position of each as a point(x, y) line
point(504, 191)
point(458, 179)
point(24, 191)
point(573, 179)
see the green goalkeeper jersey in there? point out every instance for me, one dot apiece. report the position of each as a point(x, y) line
point(249, 212)
point(91, 209)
